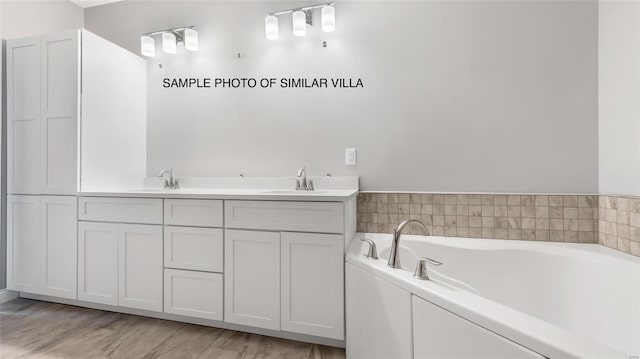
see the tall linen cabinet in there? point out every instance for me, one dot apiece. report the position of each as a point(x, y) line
point(69, 96)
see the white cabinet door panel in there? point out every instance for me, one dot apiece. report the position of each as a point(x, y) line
point(252, 278)
point(437, 334)
point(193, 248)
point(322, 217)
point(23, 115)
point(24, 244)
point(313, 284)
point(98, 262)
point(122, 210)
point(59, 245)
point(194, 294)
point(140, 269)
point(193, 212)
point(60, 112)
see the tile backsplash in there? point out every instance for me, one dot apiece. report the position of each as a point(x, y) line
point(612, 221)
point(619, 223)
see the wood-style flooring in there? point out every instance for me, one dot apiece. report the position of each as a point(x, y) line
point(35, 329)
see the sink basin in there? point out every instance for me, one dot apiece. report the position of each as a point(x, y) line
point(284, 191)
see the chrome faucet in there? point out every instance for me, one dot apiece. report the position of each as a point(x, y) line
point(394, 256)
point(302, 184)
point(170, 183)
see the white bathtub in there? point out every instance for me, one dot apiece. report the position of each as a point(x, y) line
point(559, 300)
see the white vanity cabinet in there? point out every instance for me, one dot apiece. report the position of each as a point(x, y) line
point(23, 115)
point(43, 82)
point(59, 245)
point(41, 245)
point(252, 278)
point(140, 270)
point(24, 244)
point(312, 272)
point(290, 255)
point(98, 262)
point(193, 258)
point(121, 263)
point(49, 79)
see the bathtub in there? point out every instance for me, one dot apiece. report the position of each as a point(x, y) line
point(556, 300)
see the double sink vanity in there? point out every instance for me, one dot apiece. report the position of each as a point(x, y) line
point(269, 261)
point(86, 227)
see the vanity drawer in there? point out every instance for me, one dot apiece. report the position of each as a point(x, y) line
point(194, 294)
point(193, 248)
point(325, 217)
point(193, 212)
point(122, 210)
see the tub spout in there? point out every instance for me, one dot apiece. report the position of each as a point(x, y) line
point(394, 256)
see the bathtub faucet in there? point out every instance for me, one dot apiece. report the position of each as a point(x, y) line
point(394, 256)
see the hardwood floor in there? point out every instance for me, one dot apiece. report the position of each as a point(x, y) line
point(34, 329)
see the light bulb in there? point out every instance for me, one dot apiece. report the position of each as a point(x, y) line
point(191, 39)
point(147, 46)
point(271, 30)
point(299, 23)
point(328, 18)
point(169, 43)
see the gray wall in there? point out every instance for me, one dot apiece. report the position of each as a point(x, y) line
point(459, 96)
point(21, 18)
point(619, 97)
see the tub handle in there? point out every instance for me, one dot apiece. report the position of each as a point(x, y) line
point(373, 251)
point(421, 267)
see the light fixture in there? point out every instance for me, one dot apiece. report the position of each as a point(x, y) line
point(271, 29)
point(300, 19)
point(147, 46)
point(328, 18)
point(191, 39)
point(169, 44)
point(299, 23)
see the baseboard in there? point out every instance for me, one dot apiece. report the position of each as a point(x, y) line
point(190, 320)
point(7, 295)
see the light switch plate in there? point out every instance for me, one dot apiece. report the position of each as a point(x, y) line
point(350, 157)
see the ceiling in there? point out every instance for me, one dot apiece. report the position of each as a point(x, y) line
point(90, 3)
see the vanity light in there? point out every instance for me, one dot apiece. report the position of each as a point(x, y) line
point(191, 39)
point(299, 23)
point(328, 18)
point(301, 18)
point(171, 38)
point(271, 29)
point(147, 46)
point(169, 43)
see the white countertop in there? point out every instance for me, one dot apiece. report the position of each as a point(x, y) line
point(327, 189)
point(224, 193)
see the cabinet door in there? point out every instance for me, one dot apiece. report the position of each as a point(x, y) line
point(313, 284)
point(194, 294)
point(98, 262)
point(252, 278)
point(23, 116)
point(140, 266)
point(60, 112)
point(59, 230)
point(24, 246)
point(437, 333)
